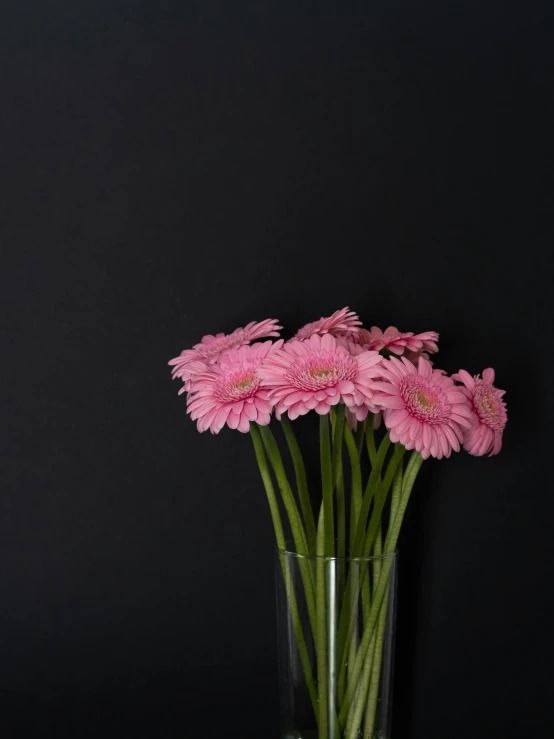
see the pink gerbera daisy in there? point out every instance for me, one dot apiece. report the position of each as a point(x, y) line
point(230, 392)
point(341, 320)
point(485, 436)
point(396, 342)
point(423, 409)
point(317, 374)
point(211, 347)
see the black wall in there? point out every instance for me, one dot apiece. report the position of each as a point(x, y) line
point(170, 169)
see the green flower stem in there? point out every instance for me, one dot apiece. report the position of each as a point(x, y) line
point(375, 521)
point(297, 529)
point(346, 625)
point(356, 482)
point(351, 602)
point(301, 483)
point(410, 475)
point(338, 433)
point(350, 598)
point(281, 545)
point(321, 642)
point(366, 595)
point(377, 552)
point(372, 664)
point(355, 585)
point(390, 546)
point(338, 425)
point(355, 677)
point(360, 435)
point(327, 485)
point(295, 521)
point(348, 616)
point(396, 491)
point(381, 497)
point(370, 439)
point(341, 533)
point(373, 694)
point(355, 506)
point(356, 711)
point(371, 487)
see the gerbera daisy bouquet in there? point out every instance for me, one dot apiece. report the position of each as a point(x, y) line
point(384, 408)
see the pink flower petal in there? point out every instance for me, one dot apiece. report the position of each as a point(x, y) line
point(345, 386)
point(250, 411)
point(415, 429)
point(293, 398)
point(488, 375)
point(244, 425)
point(391, 402)
point(396, 416)
point(221, 417)
point(233, 420)
point(323, 408)
point(466, 378)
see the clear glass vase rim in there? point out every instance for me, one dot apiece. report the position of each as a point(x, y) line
point(372, 558)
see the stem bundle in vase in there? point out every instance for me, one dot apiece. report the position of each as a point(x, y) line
point(378, 396)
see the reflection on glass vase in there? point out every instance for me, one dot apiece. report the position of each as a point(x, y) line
point(336, 624)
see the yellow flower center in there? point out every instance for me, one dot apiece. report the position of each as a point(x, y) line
point(425, 400)
point(245, 383)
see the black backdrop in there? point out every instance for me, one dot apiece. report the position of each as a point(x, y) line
point(172, 169)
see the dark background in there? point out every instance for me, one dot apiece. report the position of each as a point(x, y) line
point(170, 169)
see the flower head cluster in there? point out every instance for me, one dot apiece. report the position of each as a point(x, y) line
point(232, 382)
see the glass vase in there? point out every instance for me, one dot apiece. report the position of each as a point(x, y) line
point(336, 626)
